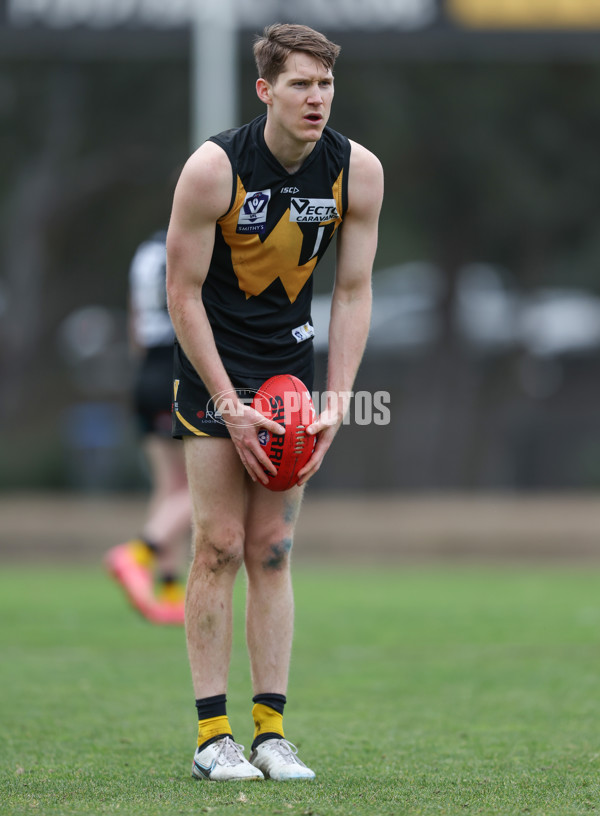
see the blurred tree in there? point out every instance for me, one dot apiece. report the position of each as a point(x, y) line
point(484, 162)
point(90, 183)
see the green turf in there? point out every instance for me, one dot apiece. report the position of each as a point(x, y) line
point(413, 691)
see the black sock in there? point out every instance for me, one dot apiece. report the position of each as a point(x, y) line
point(168, 578)
point(274, 701)
point(154, 548)
point(209, 707)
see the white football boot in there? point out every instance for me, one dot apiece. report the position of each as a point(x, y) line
point(223, 761)
point(278, 759)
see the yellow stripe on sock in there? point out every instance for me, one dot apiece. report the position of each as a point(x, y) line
point(141, 553)
point(266, 720)
point(212, 727)
point(171, 593)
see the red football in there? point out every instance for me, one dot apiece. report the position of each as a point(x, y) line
point(286, 400)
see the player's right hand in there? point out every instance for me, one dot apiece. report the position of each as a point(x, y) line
point(243, 423)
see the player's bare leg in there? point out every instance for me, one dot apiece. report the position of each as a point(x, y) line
point(217, 481)
point(217, 485)
point(149, 568)
point(167, 529)
point(270, 524)
point(170, 504)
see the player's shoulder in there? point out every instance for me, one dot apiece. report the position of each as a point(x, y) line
point(206, 179)
point(365, 181)
point(209, 163)
point(363, 160)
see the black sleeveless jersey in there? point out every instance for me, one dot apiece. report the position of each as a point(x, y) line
point(258, 290)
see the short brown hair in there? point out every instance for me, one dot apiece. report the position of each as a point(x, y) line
point(280, 39)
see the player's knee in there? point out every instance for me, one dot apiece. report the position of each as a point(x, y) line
point(220, 550)
point(272, 555)
point(278, 554)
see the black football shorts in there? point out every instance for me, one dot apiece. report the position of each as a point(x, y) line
point(153, 391)
point(194, 413)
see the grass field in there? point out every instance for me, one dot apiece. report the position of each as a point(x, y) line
point(414, 691)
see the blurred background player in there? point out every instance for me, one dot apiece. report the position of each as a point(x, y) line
point(149, 566)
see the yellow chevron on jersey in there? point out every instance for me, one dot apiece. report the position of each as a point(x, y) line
point(258, 261)
point(267, 249)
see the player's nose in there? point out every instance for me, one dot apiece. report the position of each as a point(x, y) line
point(315, 96)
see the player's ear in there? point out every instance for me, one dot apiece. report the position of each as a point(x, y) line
point(263, 90)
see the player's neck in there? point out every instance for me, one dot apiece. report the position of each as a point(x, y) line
point(290, 153)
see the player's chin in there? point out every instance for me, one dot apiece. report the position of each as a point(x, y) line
point(312, 131)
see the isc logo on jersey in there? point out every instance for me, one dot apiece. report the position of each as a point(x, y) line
point(313, 210)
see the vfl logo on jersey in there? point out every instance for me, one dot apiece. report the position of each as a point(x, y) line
point(313, 210)
point(253, 214)
point(302, 333)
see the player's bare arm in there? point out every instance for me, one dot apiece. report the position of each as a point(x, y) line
point(203, 194)
point(351, 299)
